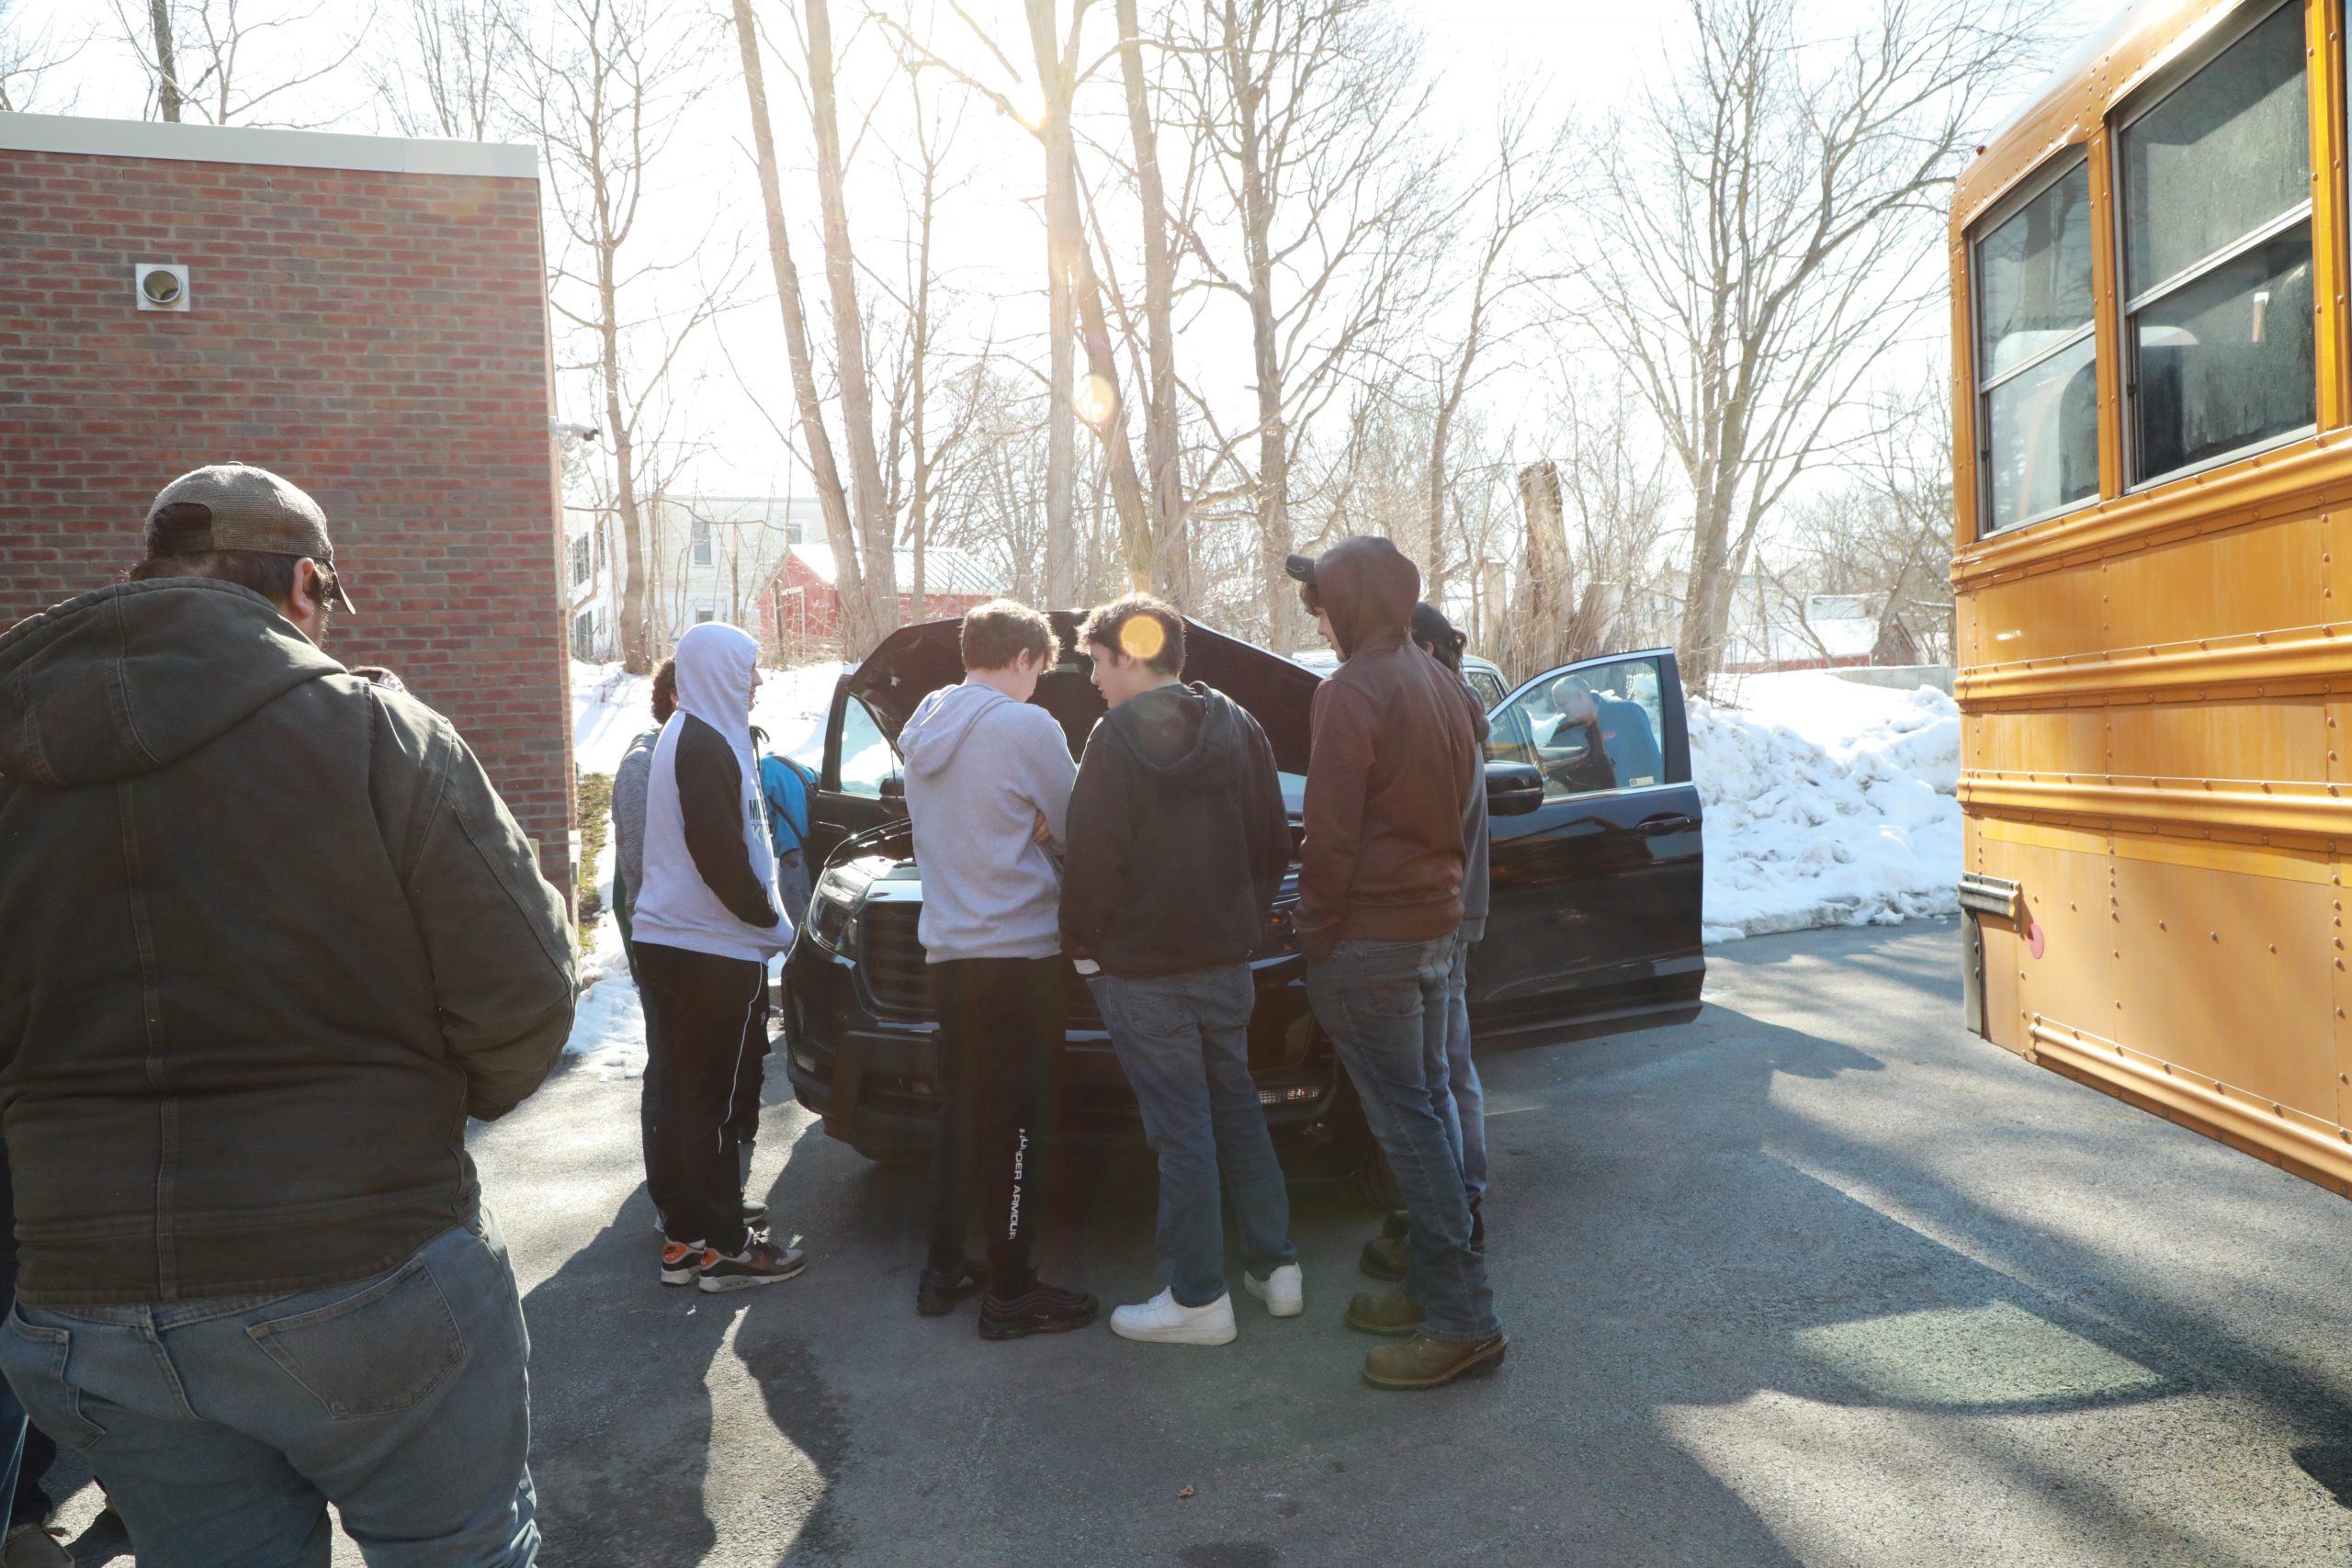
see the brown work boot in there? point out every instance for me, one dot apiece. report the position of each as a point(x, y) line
point(1424, 1363)
point(1383, 1312)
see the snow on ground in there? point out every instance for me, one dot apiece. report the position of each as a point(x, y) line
point(609, 708)
point(1828, 803)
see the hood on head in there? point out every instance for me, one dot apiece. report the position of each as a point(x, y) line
point(914, 661)
point(1189, 733)
point(135, 677)
point(1368, 587)
point(717, 664)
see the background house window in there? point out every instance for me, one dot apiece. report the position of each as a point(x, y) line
point(702, 616)
point(584, 635)
point(700, 534)
point(2217, 257)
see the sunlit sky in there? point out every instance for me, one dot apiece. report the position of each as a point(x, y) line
point(1574, 57)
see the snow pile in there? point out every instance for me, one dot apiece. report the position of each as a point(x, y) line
point(609, 708)
point(1828, 803)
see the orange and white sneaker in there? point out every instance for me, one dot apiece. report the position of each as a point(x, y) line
point(682, 1262)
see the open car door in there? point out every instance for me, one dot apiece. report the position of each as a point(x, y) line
point(1595, 918)
point(861, 783)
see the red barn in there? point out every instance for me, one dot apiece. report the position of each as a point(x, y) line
point(801, 609)
point(365, 316)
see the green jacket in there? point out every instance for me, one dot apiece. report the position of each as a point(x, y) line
point(268, 938)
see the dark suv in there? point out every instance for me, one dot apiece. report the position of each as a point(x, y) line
point(1595, 923)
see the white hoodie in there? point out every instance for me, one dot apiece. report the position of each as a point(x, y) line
point(981, 768)
point(678, 906)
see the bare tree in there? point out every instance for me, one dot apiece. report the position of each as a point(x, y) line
point(1172, 551)
point(1309, 116)
point(447, 72)
point(1515, 198)
point(199, 55)
point(1766, 233)
point(29, 57)
point(873, 524)
point(860, 628)
point(604, 90)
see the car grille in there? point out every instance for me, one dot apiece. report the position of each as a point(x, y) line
point(891, 954)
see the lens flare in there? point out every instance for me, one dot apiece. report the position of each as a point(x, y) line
point(1142, 637)
point(1094, 398)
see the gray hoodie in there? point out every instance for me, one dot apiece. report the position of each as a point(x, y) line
point(981, 768)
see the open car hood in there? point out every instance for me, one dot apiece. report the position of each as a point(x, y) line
point(914, 661)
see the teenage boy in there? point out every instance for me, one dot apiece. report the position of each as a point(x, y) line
point(707, 922)
point(989, 777)
point(1178, 842)
point(1395, 758)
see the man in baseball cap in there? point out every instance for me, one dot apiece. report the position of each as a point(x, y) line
point(272, 938)
point(238, 522)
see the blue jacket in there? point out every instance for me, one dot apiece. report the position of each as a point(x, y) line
point(785, 786)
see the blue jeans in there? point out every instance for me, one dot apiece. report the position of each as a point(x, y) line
point(222, 1428)
point(1462, 1099)
point(1185, 1043)
point(1384, 1005)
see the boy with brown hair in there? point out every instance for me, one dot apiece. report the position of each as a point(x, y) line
point(989, 777)
point(1177, 842)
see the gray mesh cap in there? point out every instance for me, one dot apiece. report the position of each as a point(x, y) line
point(236, 506)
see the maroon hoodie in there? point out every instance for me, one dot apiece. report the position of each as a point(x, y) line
point(1394, 760)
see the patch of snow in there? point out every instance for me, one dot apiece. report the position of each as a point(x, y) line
point(611, 707)
point(1828, 803)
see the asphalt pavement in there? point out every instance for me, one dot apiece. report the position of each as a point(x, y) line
point(1817, 1278)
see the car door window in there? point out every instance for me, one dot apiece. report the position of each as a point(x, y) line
point(1596, 727)
point(867, 756)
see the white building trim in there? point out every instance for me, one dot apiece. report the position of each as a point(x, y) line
point(246, 144)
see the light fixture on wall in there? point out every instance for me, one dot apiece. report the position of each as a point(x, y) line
point(159, 286)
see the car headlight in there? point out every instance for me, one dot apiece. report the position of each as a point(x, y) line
point(831, 912)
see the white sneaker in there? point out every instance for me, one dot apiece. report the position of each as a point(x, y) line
point(1283, 1290)
point(1160, 1321)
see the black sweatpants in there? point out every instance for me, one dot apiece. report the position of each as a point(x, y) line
point(999, 1048)
point(706, 1042)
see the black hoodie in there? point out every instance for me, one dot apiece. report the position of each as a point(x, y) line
point(1178, 839)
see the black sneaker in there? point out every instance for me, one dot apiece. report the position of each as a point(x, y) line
point(760, 1263)
point(1041, 1309)
point(1395, 1224)
point(755, 1216)
point(1384, 1257)
point(938, 1291)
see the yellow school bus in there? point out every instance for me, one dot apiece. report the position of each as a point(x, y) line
point(2153, 399)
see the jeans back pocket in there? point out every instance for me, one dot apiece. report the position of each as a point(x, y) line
point(374, 1353)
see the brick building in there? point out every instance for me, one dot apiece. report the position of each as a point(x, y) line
point(364, 315)
point(801, 609)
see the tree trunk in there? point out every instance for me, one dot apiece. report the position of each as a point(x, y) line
point(167, 71)
point(849, 335)
point(1061, 187)
point(1274, 443)
point(860, 631)
point(1172, 542)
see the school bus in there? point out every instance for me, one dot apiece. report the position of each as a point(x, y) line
point(2152, 400)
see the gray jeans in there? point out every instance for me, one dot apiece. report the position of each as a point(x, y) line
point(222, 1428)
point(1185, 1043)
point(1384, 1005)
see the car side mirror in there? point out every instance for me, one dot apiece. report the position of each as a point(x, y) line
point(893, 787)
point(1513, 789)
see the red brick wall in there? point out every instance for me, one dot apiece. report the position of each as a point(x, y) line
point(379, 339)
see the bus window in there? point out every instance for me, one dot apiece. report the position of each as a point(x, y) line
point(2038, 414)
point(2217, 257)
